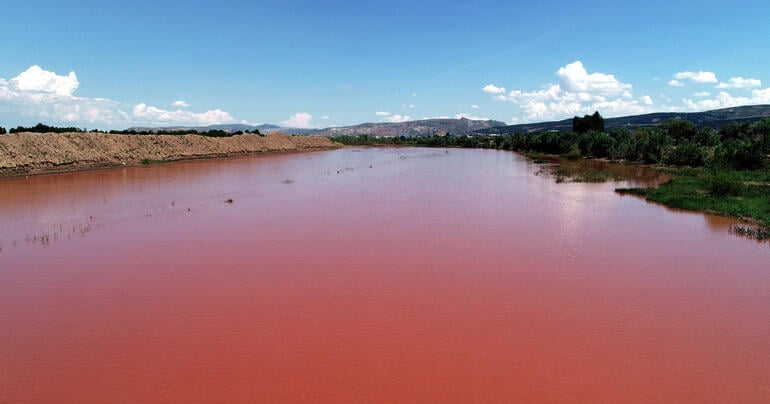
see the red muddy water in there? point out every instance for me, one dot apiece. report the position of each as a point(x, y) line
point(384, 275)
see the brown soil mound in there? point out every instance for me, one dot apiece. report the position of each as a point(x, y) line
point(34, 153)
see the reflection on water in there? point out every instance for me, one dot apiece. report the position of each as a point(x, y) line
point(370, 275)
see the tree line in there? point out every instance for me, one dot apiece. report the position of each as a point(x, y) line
point(677, 142)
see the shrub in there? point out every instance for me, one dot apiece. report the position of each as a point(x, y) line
point(723, 183)
point(686, 154)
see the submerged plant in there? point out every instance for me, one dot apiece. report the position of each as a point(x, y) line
point(756, 233)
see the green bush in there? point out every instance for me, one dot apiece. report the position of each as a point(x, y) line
point(686, 154)
point(723, 183)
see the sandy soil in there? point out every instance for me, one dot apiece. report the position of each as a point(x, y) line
point(36, 153)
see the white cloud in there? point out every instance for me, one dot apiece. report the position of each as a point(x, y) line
point(492, 89)
point(180, 104)
point(474, 106)
point(726, 100)
point(38, 94)
point(143, 112)
point(326, 117)
point(393, 118)
point(35, 79)
point(577, 93)
point(740, 82)
point(575, 78)
point(675, 83)
point(398, 118)
point(646, 100)
point(697, 77)
point(702, 94)
point(301, 120)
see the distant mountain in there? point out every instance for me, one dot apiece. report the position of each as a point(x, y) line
point(425, 127)
point(412, 128)
point(715, 119)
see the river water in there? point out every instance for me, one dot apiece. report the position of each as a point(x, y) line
point(385, 275)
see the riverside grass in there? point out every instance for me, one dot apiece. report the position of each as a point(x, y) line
point(741, 194)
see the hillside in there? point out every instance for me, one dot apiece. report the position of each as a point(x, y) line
point(426, 127)
point(33, 153)
point(413, 128)
point(714, 118)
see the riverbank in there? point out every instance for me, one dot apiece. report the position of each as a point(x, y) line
point(40, 153)
point(740, 194)
point(744, 195)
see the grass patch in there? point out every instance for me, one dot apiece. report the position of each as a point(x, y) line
point(581, 171)
point(740, 194)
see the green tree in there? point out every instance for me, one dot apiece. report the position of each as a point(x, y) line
point(588, 123)
point(680, 130)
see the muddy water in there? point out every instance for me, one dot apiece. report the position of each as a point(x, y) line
point(384, 275)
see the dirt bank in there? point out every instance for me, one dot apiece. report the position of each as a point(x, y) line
point(35, 153)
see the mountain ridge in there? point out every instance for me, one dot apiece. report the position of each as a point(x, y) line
point(715, 118)
point(463, 126)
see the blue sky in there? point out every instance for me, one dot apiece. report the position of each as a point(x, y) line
point(96, 64)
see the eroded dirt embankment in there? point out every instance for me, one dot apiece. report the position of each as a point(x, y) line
point(36, 153)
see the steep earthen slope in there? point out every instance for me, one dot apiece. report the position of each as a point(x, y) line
point(32, 153)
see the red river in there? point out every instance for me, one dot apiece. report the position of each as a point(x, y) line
point(371, 275)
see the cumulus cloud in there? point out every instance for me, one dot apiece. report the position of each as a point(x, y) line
point(393, 118)
point(474, 106)
point(301, 120)
point(574, 78)
point(697, 77)
point(675, 83)
point(35, 79)
point(143, 112)
point(180, 104)
point(646, 100)
point(740, 82)
point(398, 118)
point(578, 92)
point(492, 89)
point(38, 94)
point(726, 100)
point(702, 94)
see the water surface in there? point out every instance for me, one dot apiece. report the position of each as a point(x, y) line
point(383, 275)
